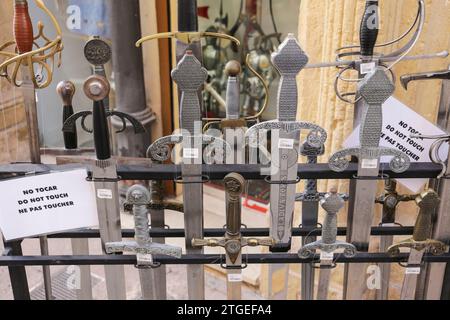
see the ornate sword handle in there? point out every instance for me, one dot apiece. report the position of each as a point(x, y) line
point(234, 187)
point(369, 29)
point(289, 61)
point(66, 91)
point(23, 28)
point(332, 203)
point(427, 201)
point(189, 75)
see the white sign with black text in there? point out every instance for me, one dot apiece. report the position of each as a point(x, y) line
point(46, 204)
point(399, 123)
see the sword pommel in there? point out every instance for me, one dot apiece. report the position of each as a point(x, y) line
point(66, 90)
point(233, 68)
point(23, 28)
point(96, 88)
point(97, 52)
point(138, 195)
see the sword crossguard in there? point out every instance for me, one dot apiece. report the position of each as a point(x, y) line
point(375, 89)
point(440, 75)
point(138, 198)
point(187, 37)
point(435, 149)
point(331, 203)
point(427, 201)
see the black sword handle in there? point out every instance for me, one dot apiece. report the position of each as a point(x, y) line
point(187, 16)
point(369, 29)
point(97, 89)
point(66, 91)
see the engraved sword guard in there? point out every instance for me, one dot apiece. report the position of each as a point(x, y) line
point(331, 203)
point(427, 201)
point(138, 197)
point(43, 54)
point(375, 89)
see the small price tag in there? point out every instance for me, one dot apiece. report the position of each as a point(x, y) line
point(144, 258)
point(389, 225)
point(367, 67)
point(285, 144)
point(369, 163)
point(235, 277)
point(414, 270)
point(190, 153)
point(326, 256)
point(104, 194)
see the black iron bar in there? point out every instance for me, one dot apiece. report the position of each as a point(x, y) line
point(210, 259)
point(253, 232)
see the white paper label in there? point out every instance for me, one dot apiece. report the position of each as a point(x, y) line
point(285, 143)
point(47, 204)
point(415, 270)
point(367, 67)
point(389, 225)
point(104, 194)
point(144, 258)
point(399, 122)
point(235, 277)
point(326, 256)
point(190, 153)
point(369, 163)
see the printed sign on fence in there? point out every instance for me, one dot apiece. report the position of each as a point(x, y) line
point(47, 204)
point(399, 123)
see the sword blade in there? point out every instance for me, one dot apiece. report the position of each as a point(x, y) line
point(234, 279)
point(385, 269)
point(410, 280)
point(109, 223)
point(324, 279)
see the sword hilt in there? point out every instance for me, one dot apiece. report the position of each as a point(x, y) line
point(66, 91)
point(97, 52)
point(97, 89)
point(391, 199)
point(234, 188)
point(427, 201)
point(435, 148)
point(289, 61)
point(369, 29)
point(189, 75)
point(187, 15)
point(138, 197)
point(440, 75)
point(23, 27)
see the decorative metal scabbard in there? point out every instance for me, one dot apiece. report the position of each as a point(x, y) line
point(97, 88)
point(331, 203)
point(138, 198)
point(233, 242)
point(427, 202)
point(289, 60)
point(42, 57)
point(375, 89)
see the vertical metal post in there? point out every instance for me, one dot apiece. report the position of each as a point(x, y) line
point(129, 76)
point(17, 275)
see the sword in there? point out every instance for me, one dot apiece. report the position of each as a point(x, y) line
point(66, 90)
point(310, 207)
point(420, 242)
point(390, 200)
point(375, 89)
point(436, 273)
point(233, 242)
point(104, 174)
point(331, 203)
point(138, 200)
point(24, 61)
point(289, 60)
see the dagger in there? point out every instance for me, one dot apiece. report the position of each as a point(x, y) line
point(138, 199)
point(233, 242)
point(390, 200)
point(420, 242)
point(332, 203)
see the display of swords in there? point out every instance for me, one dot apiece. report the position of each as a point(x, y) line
point(233, 147)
